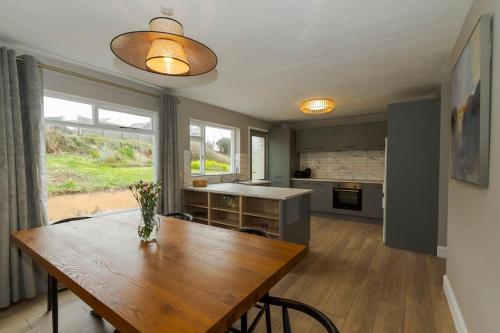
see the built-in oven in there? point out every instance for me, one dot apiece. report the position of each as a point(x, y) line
point(347, 196)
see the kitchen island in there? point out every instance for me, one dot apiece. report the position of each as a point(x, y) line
point(284, 213)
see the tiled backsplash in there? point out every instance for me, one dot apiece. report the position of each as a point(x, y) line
point(241, 163)
point(347, 165)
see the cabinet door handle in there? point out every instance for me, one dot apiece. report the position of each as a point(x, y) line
point(348, 146)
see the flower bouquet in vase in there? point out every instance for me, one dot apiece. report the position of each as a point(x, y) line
point(146, 195)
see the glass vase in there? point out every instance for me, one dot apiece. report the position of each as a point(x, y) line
point(148, 228)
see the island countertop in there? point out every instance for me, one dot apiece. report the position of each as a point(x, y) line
point(276, 193)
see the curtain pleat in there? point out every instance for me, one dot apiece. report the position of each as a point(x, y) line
point(168, 170)
point(22, 201)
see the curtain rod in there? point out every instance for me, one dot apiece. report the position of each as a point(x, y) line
point(91, 78)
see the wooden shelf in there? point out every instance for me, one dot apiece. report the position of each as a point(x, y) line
point(196, 205)
point(229, 223)
point(227, 210)
point(201, 218)
point(269, 216)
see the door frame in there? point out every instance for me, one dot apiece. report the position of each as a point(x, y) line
point(265, 133)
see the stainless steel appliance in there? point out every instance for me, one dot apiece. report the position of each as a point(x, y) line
point(348, 196)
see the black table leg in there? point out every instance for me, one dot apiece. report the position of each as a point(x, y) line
point(244, 323)
point(49, 294)
point(53, 303)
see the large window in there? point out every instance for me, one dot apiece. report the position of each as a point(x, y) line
point(94, 152)
point(212, 149)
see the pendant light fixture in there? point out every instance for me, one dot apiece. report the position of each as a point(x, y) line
point(164, 50)
point(317, 105)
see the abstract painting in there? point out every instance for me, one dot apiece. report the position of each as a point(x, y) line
point(470, 108)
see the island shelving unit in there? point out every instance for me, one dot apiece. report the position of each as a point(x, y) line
point(281, 212)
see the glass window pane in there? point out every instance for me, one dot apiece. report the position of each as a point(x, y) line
point(258, 157)
point(64, 110)
point(90, 170)
point(195, 130)
point(195, 157)
point(218, 150)
point(125, 119)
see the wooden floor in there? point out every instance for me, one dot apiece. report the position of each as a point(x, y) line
point(362, 285)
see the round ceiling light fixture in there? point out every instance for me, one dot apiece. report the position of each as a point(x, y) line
point(164, 50)
point(317, 105)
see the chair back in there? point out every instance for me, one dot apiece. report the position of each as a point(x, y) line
point(254, 231)
point(70, 219)
point(286, 304)
point(180, 216)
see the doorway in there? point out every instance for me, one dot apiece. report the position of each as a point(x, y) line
point(258, 154)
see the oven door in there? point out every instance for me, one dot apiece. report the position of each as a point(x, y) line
point(350, 199)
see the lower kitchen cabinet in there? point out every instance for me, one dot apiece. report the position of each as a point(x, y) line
point(322, 195)
point(372, 201)
point(322, 198)
point(280, 182)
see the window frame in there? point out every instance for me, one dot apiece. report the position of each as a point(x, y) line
point(201, 140)
point(96, 105)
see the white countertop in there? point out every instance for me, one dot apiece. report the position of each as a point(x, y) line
point(276, 193)
point(256, 182)
point(340, 180)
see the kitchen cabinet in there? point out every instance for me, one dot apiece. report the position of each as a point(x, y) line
point(283, 160)
point(375, 134)
point(372, 201)
point(350, 137)
point(315, 139)
point(322, 195)
point(322, 198)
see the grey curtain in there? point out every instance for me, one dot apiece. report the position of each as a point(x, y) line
point(22, 171)
point(168, 171)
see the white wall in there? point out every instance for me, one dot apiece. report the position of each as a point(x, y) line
point(473, 266)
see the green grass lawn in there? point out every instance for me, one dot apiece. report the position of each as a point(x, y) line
point(70, 173)
point(211, 167)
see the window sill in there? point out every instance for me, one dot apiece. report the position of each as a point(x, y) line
point(216, 175)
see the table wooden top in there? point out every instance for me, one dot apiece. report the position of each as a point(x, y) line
point(194, 278)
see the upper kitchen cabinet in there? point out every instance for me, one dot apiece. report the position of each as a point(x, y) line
point(283, 159)
point(350, 137)
point(315, 139)
point(375, 134)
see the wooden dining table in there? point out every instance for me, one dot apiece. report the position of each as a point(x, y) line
point(192, 278)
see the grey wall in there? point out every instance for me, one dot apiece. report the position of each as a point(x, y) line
point(187, 109)
point(83, 88)
point(413, 175)
point(190, 109)
point(473, 264)
point(338, 121)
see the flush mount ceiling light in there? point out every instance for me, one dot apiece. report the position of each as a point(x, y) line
point(164, 50)
point(317, 105)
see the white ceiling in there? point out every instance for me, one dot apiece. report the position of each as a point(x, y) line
point(272, 54)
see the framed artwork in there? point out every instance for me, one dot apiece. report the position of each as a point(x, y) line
point(470, 107)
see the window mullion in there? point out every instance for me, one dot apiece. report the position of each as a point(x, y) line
point(202, 153)
point(95, 115)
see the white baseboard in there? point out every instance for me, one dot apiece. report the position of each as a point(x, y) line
point(458, 319)
point(441, 251)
